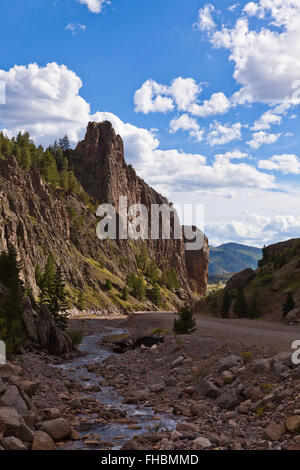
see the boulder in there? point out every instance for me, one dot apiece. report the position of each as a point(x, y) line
point(13, 398)
point(42, 441)
point(179, 360)
point(11, 420)
point(279, 369)
point(228, 399)
point(205, 388)
point(201, 443)
point(230, 361)
point(2, 386)
point(240, 280)
point(13, 443)
point(293, 423)
point(261, 365)
point(29, 387)
point(274, 431)
point(58, 428)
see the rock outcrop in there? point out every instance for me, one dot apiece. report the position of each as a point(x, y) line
point(101, 167)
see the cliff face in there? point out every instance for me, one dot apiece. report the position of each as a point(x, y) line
point(39, 220)
point(101, 168)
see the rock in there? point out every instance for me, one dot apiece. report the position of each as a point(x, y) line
point(243, 409)
point(227, 376)
point(11, 420)
point(13, 443)
point(130, 445)
point(228, 399)
point(155, 388)
point(240, 280)
point(187, 428)
point(279, 369)
point(58, 428)
point(2, 386)
point(53, 413)
point(230, 361)
point(12, 398)
point(201, 443)
point(30, 419)
point(274, 431)
point(198, 409)
point(179, 360)
point(170, 382)
point(42, 441)
point(205, 388)
point(261, 365)
point(293, 423)
point(8, 370)
point(29, 387)
point(50, 336)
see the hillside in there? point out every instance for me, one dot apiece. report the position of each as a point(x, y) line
point(45, 209)
point(230, 258)
point(265, 291)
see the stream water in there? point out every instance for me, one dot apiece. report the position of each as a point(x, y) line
point(114, 432)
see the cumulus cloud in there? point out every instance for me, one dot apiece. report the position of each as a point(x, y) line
point(286, 163)
point(95, 6)
point(254, 229)
point(187, 123)
point(205, 20)
point(260, 138)
point(223, 134)
point(268, 119)
point(183, 94)
point(232, 155)
point(45, 101)
point(267, 60)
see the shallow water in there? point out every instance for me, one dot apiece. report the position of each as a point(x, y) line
point(117, 433)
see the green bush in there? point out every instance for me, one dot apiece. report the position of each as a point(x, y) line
point(185, 322)
point(76, 337)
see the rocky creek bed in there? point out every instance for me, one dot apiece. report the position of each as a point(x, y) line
point(188, 392)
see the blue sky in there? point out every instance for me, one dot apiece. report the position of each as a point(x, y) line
point(204, 95)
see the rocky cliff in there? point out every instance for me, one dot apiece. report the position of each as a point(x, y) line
point(101, 168)
point(39, 219)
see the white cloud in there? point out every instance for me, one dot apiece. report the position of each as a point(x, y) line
point(232, 155)
point(205, 20)
point(223, 134)
point(45, 101)
point(286, 163)
point(183, 93)
point(260, 138)
point(75, 27)
point(187, 123)
point(152, 97)
point(217, 104)
point(254, 229)
point(95, 6)
point(267, 60)
point(268, 119)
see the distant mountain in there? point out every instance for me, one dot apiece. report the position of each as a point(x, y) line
point(232, 258)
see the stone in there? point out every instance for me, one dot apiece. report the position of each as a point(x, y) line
point(274, 431)
point(13, 398)
point(293, 423)
point(179, 360)
point(205, 388)
point(130, 445)
point(53, 413)
point(8, 370)
point(230, 361)
point(58, 428)
point(29, 387)
point(170, 382)
point(155, 388)
point(2, 386)
point(228, 399)
point(201, 443)
point(198, 409)
point(186, 428)
point(227, 376)
point(13, 443)
point(42, 441)
point(278, 368)
point(12, 421)
point(259, 366)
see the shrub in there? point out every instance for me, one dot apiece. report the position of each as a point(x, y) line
point(289, 304)
point(246, 356)
point(76, 337)
point(108, 284)
point(185, 322)
point(240, 306)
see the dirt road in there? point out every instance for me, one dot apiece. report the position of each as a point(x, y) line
point(257, 332)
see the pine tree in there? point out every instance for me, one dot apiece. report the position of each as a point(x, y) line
point(11, 311)
point(108, 284)
point(139, 289)
point(64, 143)
point(156, 296)
point(185, 322)
point(46, 281)
point(125, 293)
point(226, 304)
point(81, 301)
point(25, 159)
point(240, 305)
point(59, 300)
point(265, 258)
point(289, 304)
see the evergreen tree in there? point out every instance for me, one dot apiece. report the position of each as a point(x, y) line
point(108, 284)
point(240, 305)
point(81, 301)
point(289, 304)
point(25, 159)
point(253, 308)
point(46, 281)
point(185, 322)
point(156, 296)
point(139, 288)
point(64, 143)
point(265, 258)
point(125, 293)
point(58, 300)
point(226, 304)
point(11, 311)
